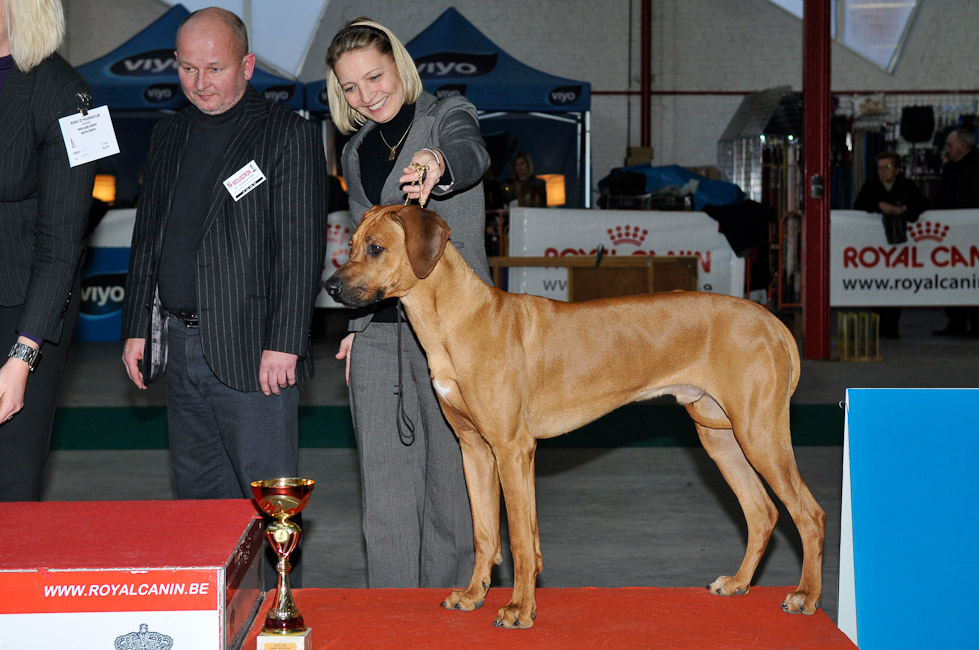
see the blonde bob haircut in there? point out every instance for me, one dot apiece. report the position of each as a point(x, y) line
point(358, 34)
point(35, 29)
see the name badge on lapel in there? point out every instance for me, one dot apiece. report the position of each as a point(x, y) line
point(244, 181)
point(88, 135)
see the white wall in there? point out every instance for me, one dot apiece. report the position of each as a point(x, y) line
point(697, 46)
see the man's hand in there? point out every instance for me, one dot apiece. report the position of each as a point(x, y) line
point(890, 208)
point(132, 354)
point(346, 344)
point(278, 370)
point(13, 384)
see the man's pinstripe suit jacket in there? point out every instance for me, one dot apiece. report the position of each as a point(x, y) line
point(259, 259)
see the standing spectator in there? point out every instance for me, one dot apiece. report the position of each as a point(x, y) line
point(44, 206)
point(900, 202)
point(417, 520)
point(222, 280)
point(959, 189)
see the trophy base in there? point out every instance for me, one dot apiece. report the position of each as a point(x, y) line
point(272, 641)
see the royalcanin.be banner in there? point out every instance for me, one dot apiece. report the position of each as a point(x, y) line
point(938, 265)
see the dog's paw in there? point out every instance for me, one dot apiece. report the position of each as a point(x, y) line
point(799, 602)
point(464, 600)
point(513, 617)
point(727, 586)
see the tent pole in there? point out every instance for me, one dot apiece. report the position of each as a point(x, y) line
point(645, 103)
point(246, 17)
point(588, 159)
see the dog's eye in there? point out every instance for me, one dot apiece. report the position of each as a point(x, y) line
point(374, 250)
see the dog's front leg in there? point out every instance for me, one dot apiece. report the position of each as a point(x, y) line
point(483, 483)
point(516, 464)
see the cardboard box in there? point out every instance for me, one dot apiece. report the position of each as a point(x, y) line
point(638, 156)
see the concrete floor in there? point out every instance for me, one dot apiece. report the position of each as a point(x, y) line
point(608, 517)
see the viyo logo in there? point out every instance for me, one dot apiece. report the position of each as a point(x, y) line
point(455, 64)
point(564, 95)
point(146, 64)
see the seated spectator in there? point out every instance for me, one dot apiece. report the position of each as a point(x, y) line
point(528, 190)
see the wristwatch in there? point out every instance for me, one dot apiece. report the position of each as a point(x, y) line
point(25, 353)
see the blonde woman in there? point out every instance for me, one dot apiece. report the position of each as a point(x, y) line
point(417, 521)
point(44, 207)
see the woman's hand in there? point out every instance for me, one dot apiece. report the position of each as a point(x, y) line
point(419, 191)
point(346, 344)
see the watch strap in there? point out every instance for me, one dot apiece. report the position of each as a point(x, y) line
point(27, 354)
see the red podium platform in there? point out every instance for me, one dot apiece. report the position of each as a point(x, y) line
point(82, 574)
point(673, 619)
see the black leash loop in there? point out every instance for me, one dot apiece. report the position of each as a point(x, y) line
point(407, 439)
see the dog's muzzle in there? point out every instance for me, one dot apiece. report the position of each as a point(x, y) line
point(341, 292)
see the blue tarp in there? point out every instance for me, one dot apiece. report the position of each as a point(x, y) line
point(142, 72)
point(709, 192)
point(455, 58)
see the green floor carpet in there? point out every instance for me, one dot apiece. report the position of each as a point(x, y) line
point(330, 426)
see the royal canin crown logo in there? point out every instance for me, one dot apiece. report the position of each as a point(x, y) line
point(337, 233)
point(627, 235)
point(932, 230)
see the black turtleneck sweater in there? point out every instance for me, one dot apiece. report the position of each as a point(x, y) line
point(209, 137)
point(374, 171)
point(374, 164)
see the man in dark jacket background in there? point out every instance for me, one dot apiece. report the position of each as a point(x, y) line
point(959, 189)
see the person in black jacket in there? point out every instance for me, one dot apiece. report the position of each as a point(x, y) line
point(227, 252)
point(959, 189)
point(900, 202)
point(44, 209)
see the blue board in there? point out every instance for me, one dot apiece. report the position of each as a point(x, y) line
point(915, 517)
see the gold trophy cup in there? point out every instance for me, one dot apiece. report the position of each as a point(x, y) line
point(282, 498)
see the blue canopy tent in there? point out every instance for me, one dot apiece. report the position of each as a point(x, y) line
point(521, 108)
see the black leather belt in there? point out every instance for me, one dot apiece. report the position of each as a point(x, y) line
point(192, 321)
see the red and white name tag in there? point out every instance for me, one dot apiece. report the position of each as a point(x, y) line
point(244, 181)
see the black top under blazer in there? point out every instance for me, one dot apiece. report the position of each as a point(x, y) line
point(259, 260)
point(44, 203)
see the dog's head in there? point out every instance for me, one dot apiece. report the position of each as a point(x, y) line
point(394, 247)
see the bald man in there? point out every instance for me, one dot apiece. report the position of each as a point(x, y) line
point(225, 264)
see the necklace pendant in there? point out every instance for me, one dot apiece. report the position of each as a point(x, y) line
point(393, 153)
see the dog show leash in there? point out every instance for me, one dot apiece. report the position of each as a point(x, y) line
point(407, 439)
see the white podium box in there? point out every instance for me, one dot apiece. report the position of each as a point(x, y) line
point(84, 575)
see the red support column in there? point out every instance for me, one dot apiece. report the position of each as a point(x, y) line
point(815, 219)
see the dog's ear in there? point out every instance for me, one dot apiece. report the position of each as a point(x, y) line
point(426, 234)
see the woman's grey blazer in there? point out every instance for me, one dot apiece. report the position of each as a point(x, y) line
point(451, 126)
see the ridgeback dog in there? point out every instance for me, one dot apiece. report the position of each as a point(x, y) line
point(512, 369)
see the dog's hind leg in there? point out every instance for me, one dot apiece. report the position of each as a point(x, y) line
point(760, 513)
point(774, 459)
point(483, 483)
point(516, 464)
